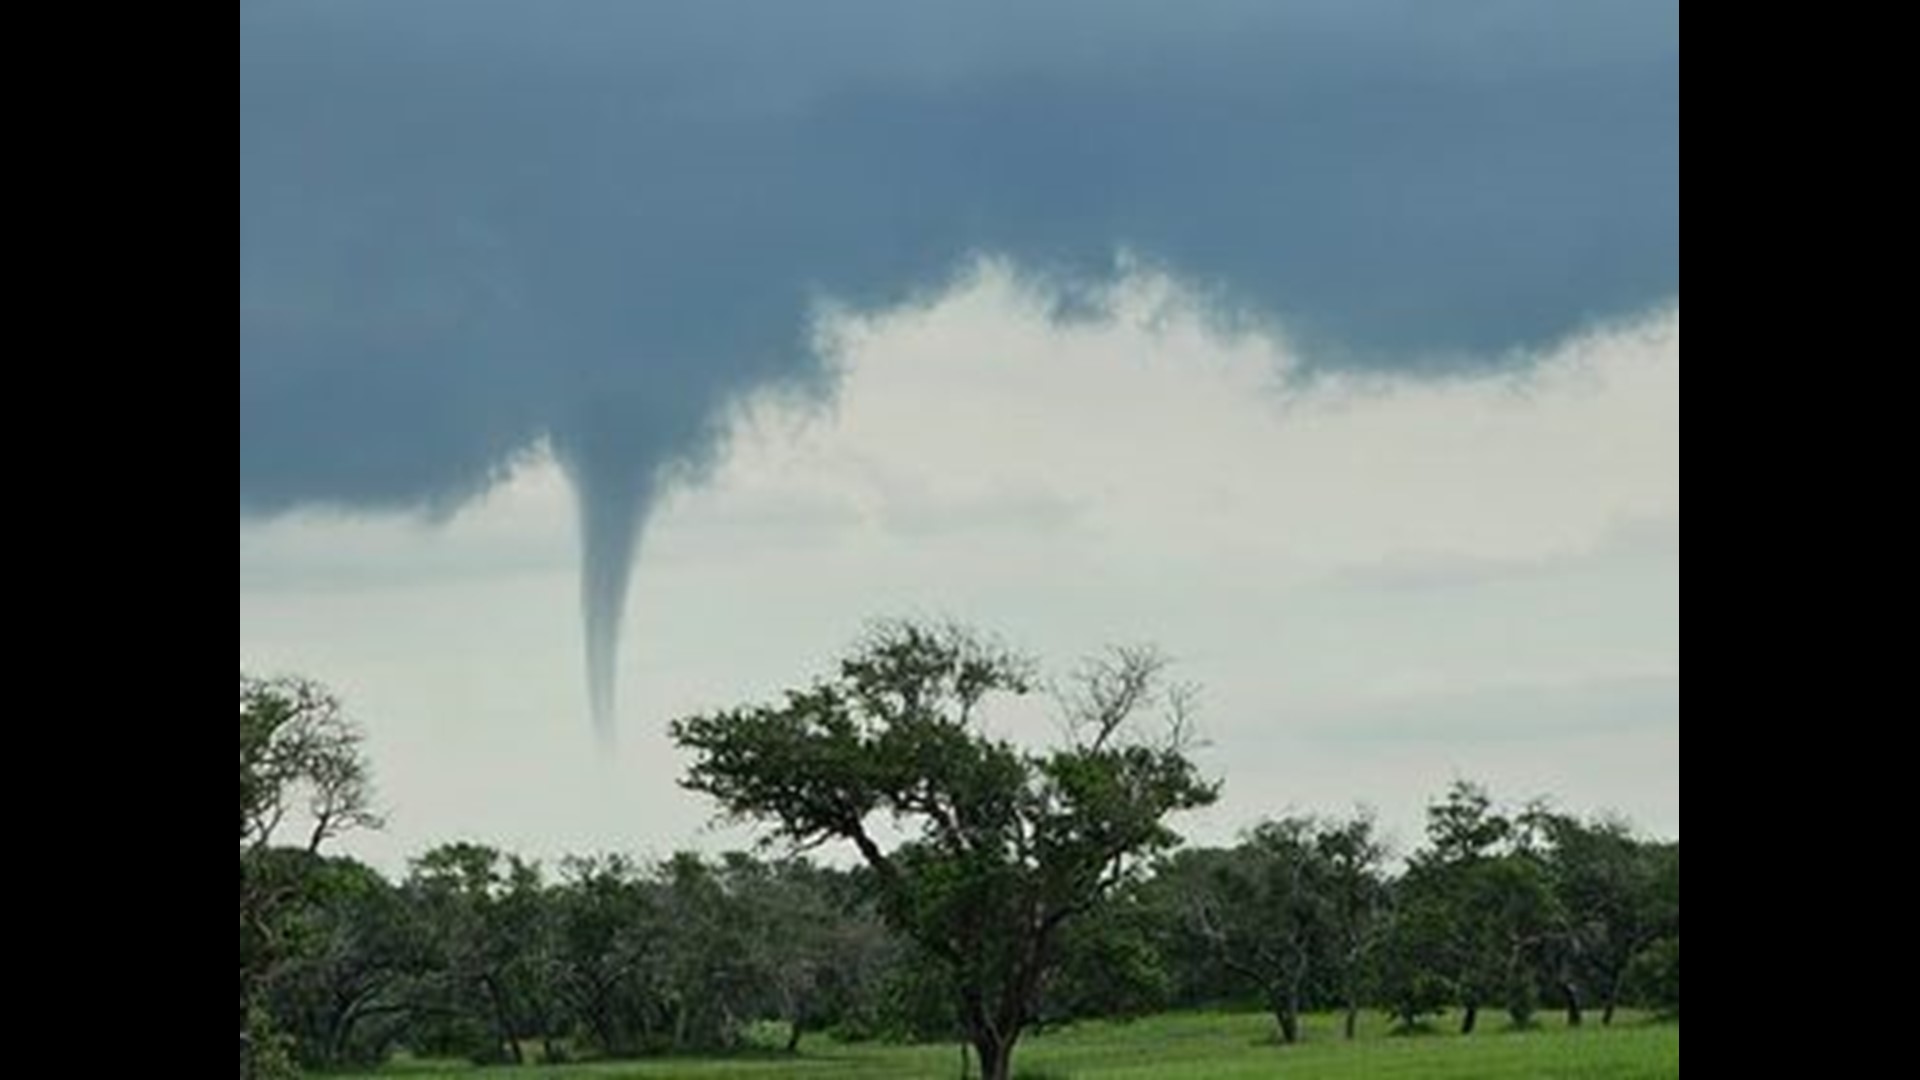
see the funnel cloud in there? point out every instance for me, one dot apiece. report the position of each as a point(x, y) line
point(469, 228)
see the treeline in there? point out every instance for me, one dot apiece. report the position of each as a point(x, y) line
point(479, 953)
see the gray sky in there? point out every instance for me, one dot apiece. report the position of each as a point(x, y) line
point(1336, 350)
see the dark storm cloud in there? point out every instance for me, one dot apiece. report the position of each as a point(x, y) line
point(466, 225)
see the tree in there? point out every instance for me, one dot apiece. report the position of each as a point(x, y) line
point(1482, 882)
point(808, 956)
point(1263, 908)
point(1654, 972)
point(1113, 967)
point(343, 987)
point(1354, 859)
point(298, 749)
point(299, 755)
point(1293, 910)
point(716, 977)
point(660, 957)
point(1604, 880)
point(1411, 966)
point(1004, 846)
point(613, 931)
point(491, 942)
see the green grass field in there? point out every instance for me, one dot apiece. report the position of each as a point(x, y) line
point(1187, 1046)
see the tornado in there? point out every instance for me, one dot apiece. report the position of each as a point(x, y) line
point(612, 503)
point(618, 453)
point(468, 229)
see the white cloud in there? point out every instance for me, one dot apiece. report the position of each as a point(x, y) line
point(1310, 552)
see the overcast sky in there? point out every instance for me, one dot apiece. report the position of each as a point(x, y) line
point(1335, 350)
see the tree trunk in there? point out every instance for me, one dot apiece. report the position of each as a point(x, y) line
point(1613, 997)
point(996, 1056)
point(336, 1039)
point(1518, 985)
point(599, 1014)
point(793, 1037)
point(1574, 1016)
point(602, 1029)
point(347, 1012)
point(1287, 1013)
point(1467, 1018)
point(1353, 1017)
point(503, 1024)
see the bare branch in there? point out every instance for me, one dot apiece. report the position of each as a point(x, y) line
point(1108, 690)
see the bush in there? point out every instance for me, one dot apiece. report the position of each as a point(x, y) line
point(265, 1053)
point(1653, 978)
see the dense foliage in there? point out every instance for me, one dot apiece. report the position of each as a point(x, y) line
point(1043, 884)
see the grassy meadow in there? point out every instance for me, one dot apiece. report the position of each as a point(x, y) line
point(1182, 1046)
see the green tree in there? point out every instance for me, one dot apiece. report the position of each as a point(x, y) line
point(1653, 975)
point(489, 934)
point(1293, 910)
point(809, 952)
point(717, 977)
point(1114, 966)
point(1004, 846)
point(1411, 965)
point(1605, 881)
point(1353, 859)
point(1263, 908)
point(614, 931)
point(1482, 883)
point(302, 769)
point(343, 989)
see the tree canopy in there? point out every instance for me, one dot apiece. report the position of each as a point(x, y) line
point(300, 760)
point(1003, 886)
point(1003, 844)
